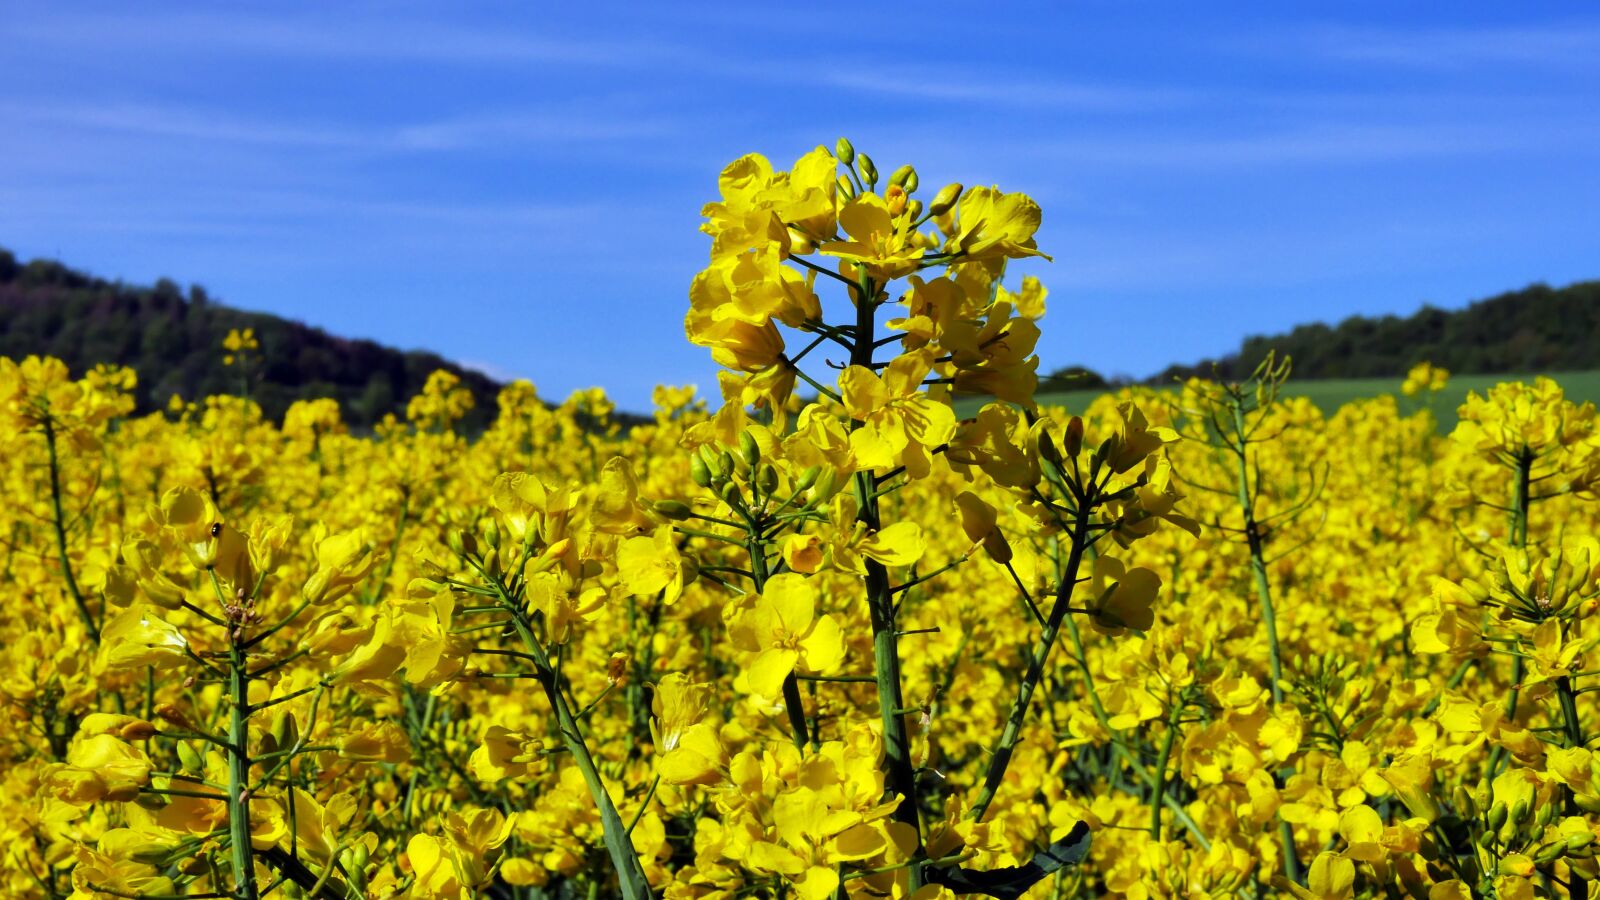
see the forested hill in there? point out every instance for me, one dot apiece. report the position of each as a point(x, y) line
point(173, 339)
point(1536, 329)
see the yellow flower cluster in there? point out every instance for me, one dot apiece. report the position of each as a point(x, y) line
point(827, 636)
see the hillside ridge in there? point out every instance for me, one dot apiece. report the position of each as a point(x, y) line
point(173, 339)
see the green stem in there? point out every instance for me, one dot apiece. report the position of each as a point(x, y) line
point(1012, 733)
point(901, 774)
point(1517, 536)
point(59, 520)
point(630, 872)
point(1159, 793)
point(1179, 814)
point(1258, 562)
point(409, 803)
point(244, 875)
point(1269, 614)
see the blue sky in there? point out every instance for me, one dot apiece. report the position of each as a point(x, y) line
point(517, 185)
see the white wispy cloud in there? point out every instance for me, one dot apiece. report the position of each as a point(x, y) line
point(330, 36)
point(1005, 88)
point(1325, 144)
point(524, 128)
point(506, 128)
point(186, 123)
point(1563, 45)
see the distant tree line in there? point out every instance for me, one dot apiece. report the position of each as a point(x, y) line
point(1537, 329)
point(1534, 330)
point(173, 339)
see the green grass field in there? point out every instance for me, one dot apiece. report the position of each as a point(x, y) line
point(1331, 394)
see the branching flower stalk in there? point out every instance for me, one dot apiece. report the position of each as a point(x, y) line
point(510, 598)
point(1231, 417)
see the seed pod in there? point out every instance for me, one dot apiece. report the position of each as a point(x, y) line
point(945, 199)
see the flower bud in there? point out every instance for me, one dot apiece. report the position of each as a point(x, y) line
point(1549, 853)
point(1521, 812)
point(673, 510)
point(847, 188)
point(1498, 815)
point(844, 152)
point(865, 168)
point(137, 730)
point(825, 487)
point(423, 588)
point(714, 462)
point(190, 758)
point(286, 732)
point(551, 555)
point(1074, 436)
point(748, 448)
point(1546, 815)
point(807, 478)
point(904, 177)
point(766, 478)
point(699, 472)
point(945, 199)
